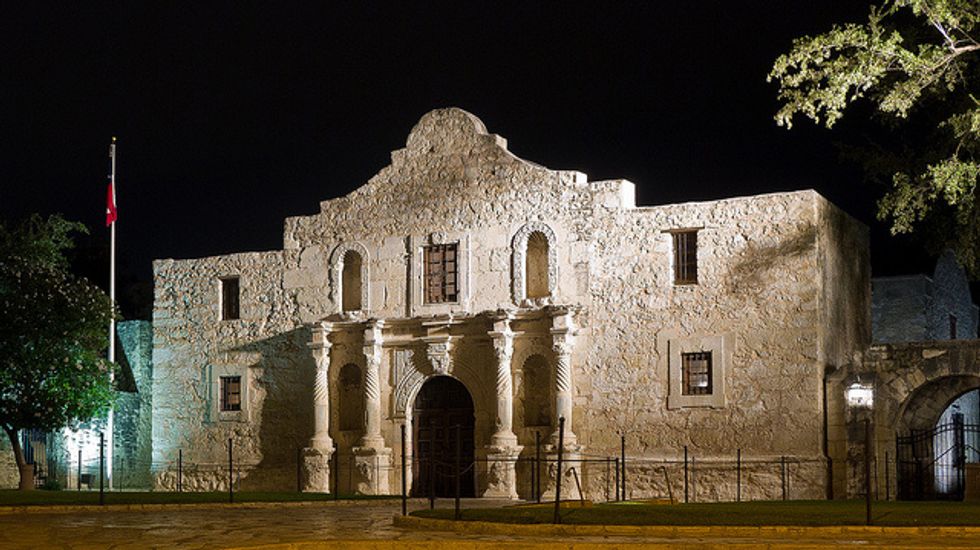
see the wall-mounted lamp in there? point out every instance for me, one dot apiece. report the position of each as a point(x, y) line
point(860, 396)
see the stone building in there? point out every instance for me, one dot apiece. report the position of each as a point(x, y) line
point(464, 294)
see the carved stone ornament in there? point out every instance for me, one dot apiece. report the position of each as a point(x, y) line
point(438, 354)
point(519, 255)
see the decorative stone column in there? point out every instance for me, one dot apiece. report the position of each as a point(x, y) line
point(371, 458)
point(316, 457)
point(563, 343)
point(502, 453)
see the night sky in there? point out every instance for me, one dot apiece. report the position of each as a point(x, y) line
point(232, 117)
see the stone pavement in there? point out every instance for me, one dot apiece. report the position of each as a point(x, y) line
point(335, 526)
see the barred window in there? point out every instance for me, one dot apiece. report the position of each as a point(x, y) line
point(685, 257)
point(231, 393)
point(441, 270)
point(696, 373)
point(229, 298)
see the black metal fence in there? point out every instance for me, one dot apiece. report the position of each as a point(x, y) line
point(931, 464)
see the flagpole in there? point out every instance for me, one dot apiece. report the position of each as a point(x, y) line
point(112, 299)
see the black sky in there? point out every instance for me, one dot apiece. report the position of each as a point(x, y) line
point(231, 117)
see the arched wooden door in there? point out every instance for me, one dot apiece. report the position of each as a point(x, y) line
point(443, 408)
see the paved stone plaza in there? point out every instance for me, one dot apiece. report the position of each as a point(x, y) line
point(337, 526)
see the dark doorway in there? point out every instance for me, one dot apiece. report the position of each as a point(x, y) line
point(442, 409)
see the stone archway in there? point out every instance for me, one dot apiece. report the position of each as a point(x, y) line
point(926, 404)
point(442, 417)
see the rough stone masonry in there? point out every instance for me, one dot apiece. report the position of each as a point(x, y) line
point(706, 325)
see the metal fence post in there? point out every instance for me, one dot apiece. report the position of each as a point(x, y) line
point(336, 473)
point(888, 488)
point(78, 481)
point(622, 449)
point(231, 482)
point(561, 444)
point(432, 483)
point(299, 469)
point(537, 466)
point(694, 485)
point(456, 513)
point(738, 475)
point(180, 470)
point(101, 467)
point(867, 470)
point(404, 481)
point(782, 474)
point(685, 475)
point(616, 461)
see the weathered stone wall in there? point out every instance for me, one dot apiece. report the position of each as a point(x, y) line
point(782, 280)
point(193, 348)
point(132, 427)
point(917, 308)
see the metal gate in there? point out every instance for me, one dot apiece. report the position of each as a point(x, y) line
point(931, 463)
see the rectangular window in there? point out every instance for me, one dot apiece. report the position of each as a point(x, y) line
point(441, 273)
point(229, 298)
point(231, 393)
point(685, 257)
point(696, 373)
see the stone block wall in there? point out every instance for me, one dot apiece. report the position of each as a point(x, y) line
point(782, 284)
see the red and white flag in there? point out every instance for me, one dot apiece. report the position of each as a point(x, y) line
point(110, 209)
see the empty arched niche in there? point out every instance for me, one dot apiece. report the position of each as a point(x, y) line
point(351, 397)
point(349, 277)
point(535, 267)
point(351, 281)
point(536, 392)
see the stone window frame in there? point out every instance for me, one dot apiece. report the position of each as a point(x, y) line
point(224, 393)
point(224, 371)
point(441, 273)
point(519, 259)
point(721, 347)
point(221, 281)
point(463, 262)
point(337, 275)
point(674, 252)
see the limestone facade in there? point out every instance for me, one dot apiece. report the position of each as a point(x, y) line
point(564, 305)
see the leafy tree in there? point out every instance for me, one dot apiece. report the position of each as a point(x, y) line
point(52, 335)
point(912, 59)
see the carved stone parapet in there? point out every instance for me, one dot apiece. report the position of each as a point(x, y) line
point(316, 470)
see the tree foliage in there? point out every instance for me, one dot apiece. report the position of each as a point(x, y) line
point(911, 58)
point(52, 332)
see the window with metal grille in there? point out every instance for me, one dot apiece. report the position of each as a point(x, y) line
point(685, 257)
point(441, 273)
point(696, 373)
point(229, 298)
point(231, 393)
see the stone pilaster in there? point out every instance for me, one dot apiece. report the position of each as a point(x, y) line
point(501, 475)
point(372, 459)
point(372, 388)
point(316, 457)
point(563, 342)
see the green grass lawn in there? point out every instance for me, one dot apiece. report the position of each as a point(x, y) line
point(809, 513)
point(50, 498)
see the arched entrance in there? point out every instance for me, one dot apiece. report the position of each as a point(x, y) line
point(938, 434)
point(443, 408)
